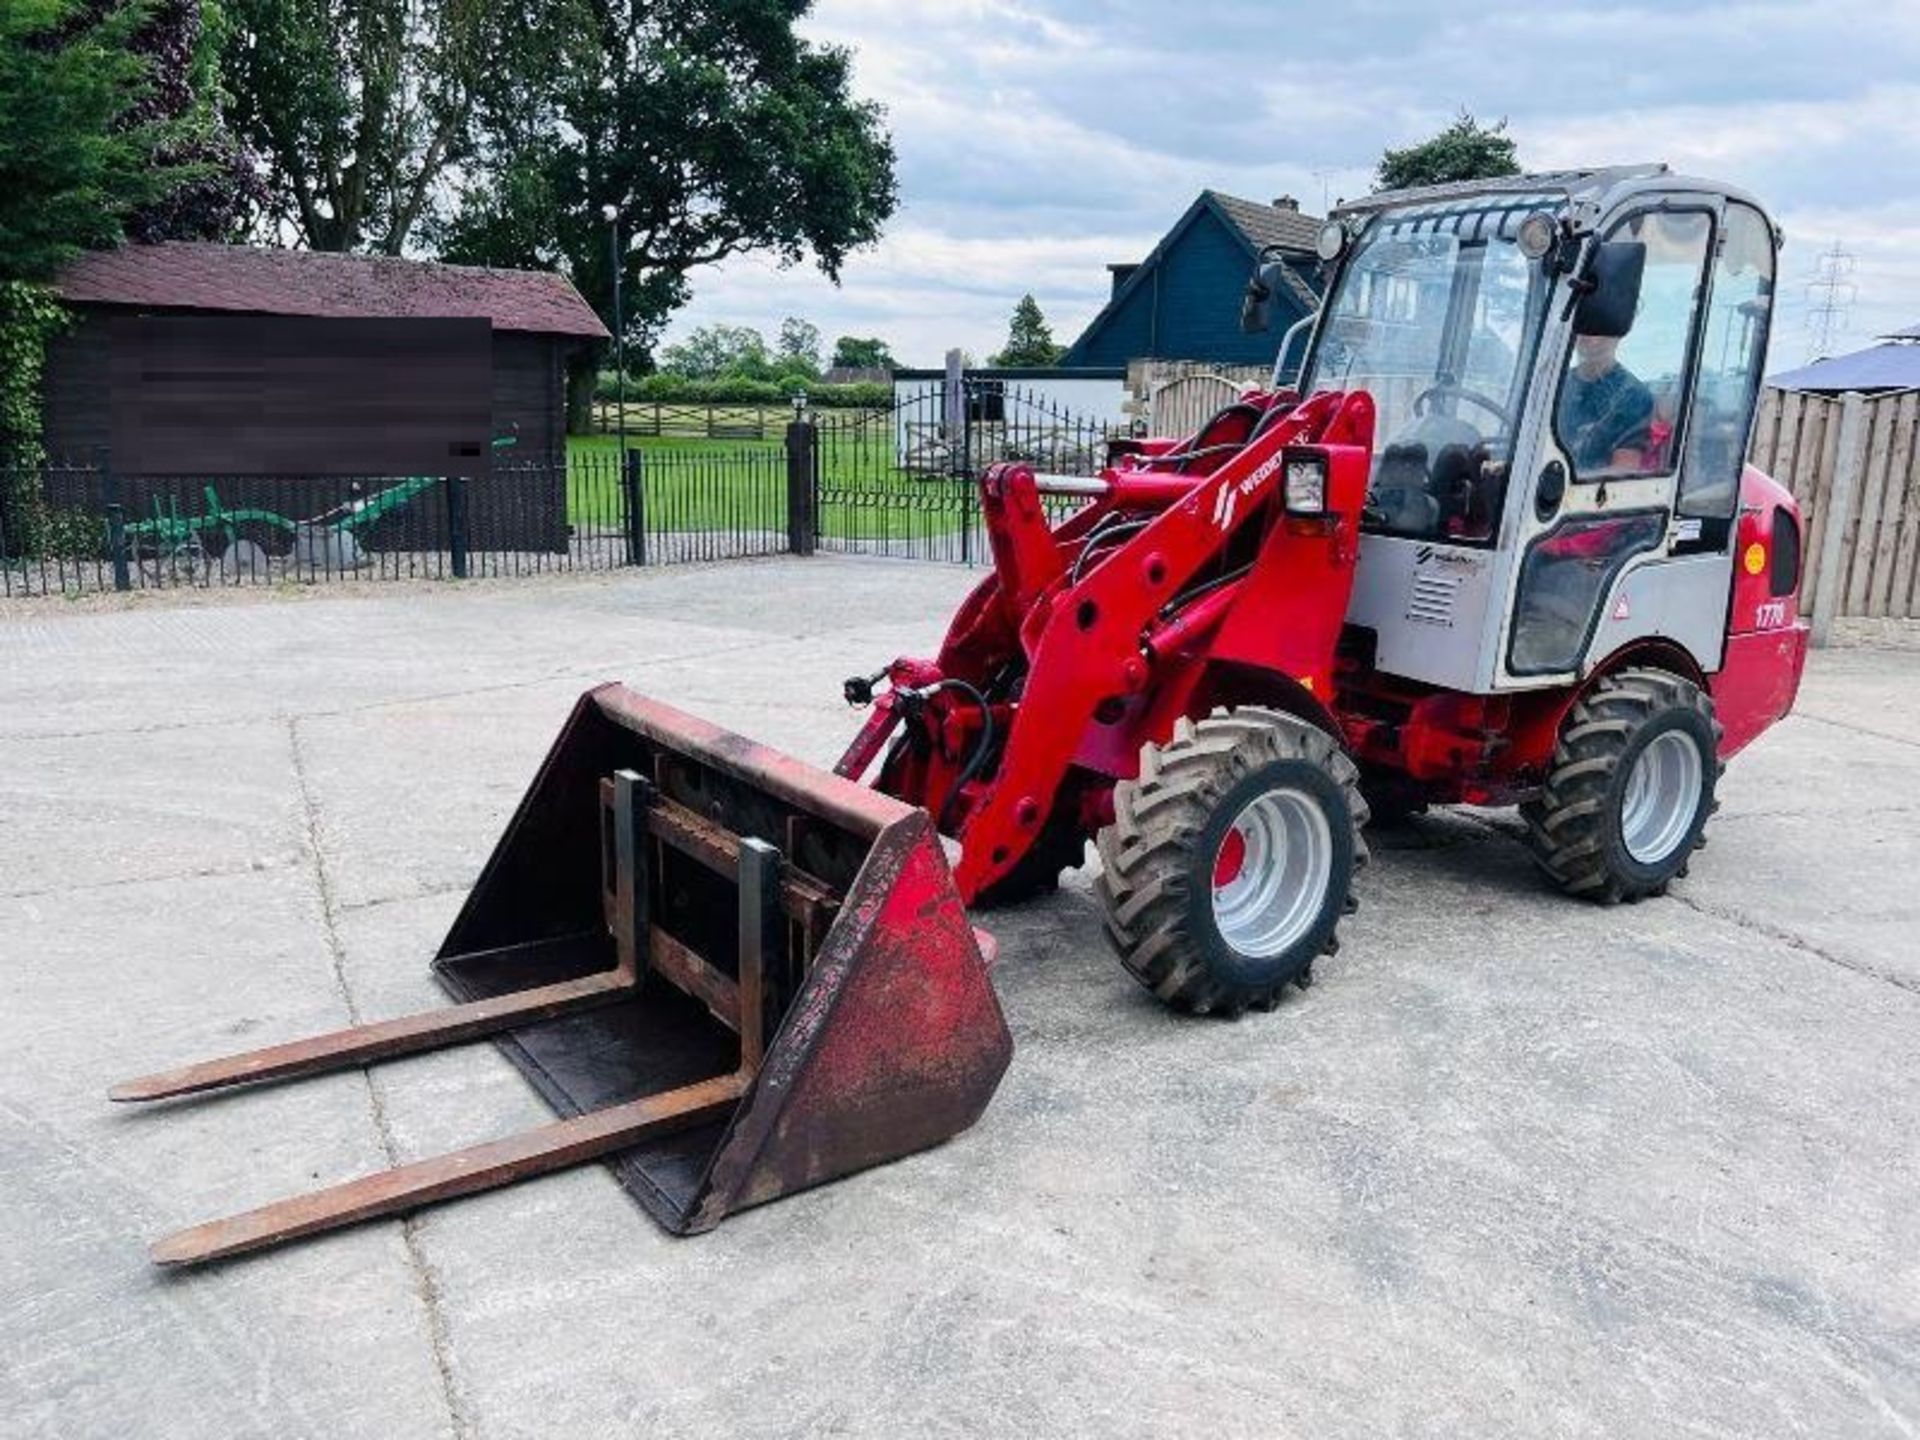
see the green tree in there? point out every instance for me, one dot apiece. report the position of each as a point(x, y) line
point(363, 109)
point(105, 129)
point(798, 349)
point(1029, 338)
point(710, 130)
point(219, 186)
point(716, 350)
point(77, 158)
point(1465, 150)
point(851, 352)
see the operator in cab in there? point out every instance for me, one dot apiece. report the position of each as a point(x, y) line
point(1606, 413)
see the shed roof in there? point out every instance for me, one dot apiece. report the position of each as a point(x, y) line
point(194, 275)
point(1893, 366)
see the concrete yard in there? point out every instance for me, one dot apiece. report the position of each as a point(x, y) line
point(1516, 1166)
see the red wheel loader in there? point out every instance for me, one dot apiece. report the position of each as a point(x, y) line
point(1496, 544)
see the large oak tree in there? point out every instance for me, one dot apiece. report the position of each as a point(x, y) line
point(709, 126)
point(362, 110)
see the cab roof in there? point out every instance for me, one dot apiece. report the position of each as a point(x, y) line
point(1588, 193)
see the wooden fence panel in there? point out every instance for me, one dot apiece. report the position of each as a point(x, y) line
point(1766, 427)
point(1864, 523)
point(1893, 550)
point(1813, 472)
point(1875, 485)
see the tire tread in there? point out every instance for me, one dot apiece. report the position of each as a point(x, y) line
point(1565, 820)
point(1145, 853)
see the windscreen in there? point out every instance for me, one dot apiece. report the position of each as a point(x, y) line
point(1436, 315)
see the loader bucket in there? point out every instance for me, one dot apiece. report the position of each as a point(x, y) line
point(733, 975)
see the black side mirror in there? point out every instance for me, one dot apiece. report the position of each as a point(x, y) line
point(1609, 288)
point(1256, 308)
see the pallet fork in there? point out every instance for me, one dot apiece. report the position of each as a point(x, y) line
point(733, 975)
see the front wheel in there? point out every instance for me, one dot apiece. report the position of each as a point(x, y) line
point(1230, 860)
point(1629, 789)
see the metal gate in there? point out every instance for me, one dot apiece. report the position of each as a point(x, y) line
point(902, 481)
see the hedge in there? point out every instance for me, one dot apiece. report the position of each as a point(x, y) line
point(678, 390)
point(29, 318)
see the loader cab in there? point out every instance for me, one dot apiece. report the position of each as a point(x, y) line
point(1565, 370)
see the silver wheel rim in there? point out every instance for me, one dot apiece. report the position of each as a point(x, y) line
point(1276, 894)
point(1661, 798)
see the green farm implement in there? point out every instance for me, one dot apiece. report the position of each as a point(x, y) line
point(171, 544)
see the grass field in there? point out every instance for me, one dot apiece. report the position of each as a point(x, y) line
point(742, 485)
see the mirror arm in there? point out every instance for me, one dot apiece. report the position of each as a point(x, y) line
point(1581, 283)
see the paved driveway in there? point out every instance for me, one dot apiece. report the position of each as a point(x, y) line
point(1516, 1166)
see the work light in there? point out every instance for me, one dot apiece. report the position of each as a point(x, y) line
point(1538, 235)
point(1306, 484)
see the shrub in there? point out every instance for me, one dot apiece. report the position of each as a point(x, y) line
point(70, 534)
point(672, 389)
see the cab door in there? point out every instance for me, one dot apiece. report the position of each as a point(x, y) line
point(1628, 532)
point(1733, 348)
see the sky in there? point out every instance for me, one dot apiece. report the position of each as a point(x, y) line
point(1040, 140)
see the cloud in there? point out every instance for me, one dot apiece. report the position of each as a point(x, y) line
point(1039, 140)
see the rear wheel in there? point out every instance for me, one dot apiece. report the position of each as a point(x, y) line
point(1630, 788)
point(1230, 859)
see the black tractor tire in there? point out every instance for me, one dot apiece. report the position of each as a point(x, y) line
point(1576, 824)
point(1170, 825)
point(1060, 846)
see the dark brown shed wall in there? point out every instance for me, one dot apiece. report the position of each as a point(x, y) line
point(528, 389)
point(78, 389)
point(523, 369)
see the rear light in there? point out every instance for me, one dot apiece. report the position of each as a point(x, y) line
point(1306, 483)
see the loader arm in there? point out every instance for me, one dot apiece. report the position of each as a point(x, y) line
point(1101, 638)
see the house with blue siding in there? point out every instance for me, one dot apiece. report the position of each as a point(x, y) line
point(1183, 301)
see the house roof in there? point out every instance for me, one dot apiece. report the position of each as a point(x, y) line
point(1262, 225)
point(1269, 224)
point(1893, 366)
point(1254, 224)
point(193, 275)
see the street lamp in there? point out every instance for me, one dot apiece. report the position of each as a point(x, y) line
point(611, 215)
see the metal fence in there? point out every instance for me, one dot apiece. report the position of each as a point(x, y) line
point(903, 481)
point(72, 529)
point(895, 481)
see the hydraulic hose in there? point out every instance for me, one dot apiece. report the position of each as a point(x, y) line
point(982, 747)
point(1111, 530)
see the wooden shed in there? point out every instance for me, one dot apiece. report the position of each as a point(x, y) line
point(536, 319)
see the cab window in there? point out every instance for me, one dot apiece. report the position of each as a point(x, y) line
point(1732, 350)
point(1621, 399)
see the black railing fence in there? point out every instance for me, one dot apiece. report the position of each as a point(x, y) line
point(896, 481)
point(902, 481)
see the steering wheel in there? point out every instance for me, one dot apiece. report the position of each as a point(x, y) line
point(1472, 397)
